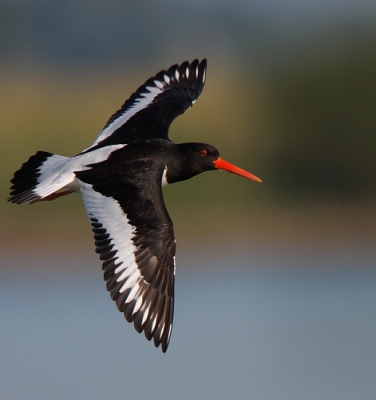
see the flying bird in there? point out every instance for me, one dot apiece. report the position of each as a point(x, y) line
point(120, 177)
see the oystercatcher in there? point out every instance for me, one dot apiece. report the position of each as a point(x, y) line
point(120, 177)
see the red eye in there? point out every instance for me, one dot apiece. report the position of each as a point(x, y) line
point(203, 152)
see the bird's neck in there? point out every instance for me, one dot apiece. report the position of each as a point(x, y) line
point(179, 167)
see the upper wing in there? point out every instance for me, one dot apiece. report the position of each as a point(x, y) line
point(134, 238)
point(148, 113)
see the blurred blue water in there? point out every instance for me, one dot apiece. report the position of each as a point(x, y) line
point(261, 334)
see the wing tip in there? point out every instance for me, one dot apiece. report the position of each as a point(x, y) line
point(190, 76)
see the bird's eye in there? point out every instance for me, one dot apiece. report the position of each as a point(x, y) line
point(203, 152)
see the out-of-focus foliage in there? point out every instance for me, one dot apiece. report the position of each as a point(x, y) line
point(290, 96)
point(326, 131)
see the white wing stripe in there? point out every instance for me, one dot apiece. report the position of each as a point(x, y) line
point(109, 213)
point(153, 89)
point(159, 84)
point(133, 293)
point(130, 282)
point(126, 273)
point(141, 102)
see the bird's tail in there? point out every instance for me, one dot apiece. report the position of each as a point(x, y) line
point(38, 179)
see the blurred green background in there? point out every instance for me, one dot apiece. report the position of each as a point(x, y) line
point(290, 96)
point(275, 289)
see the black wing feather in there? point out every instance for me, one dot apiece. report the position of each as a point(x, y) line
point(138, 190)
point(179, 87)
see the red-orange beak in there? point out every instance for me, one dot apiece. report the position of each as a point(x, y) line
point(222, 164)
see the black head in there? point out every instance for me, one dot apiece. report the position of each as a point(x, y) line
point(195, 158)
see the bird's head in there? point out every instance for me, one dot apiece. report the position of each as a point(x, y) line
point(200, 157)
